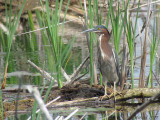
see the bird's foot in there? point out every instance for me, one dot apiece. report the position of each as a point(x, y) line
point(114, 94)
point(104, 96)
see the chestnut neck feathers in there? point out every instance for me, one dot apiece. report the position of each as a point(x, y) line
point(105, 46)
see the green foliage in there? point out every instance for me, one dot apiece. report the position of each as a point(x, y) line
point(52, 21)
point(153, 49)
point(33, 40)
point(117, 26)
point(131, 39)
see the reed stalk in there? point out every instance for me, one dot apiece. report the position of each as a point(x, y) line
point(11, 25)
point(130, 35)
point(52, 33)
point(91, 18)
point(117, 26)
point(153, 49)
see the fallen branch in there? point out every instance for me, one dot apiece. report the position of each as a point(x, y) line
point(144, 105)
point(121, 96)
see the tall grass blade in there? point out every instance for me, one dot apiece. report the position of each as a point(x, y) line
point(12, 28)
point(153, 49)
point(117, 26)
point(131, 40)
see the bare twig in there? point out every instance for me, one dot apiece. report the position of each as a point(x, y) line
point(65, 75)
point(42, 72)
point(37, 96)
point(70, 115)
point(83, 116)
point(147, 4)
point(47, 105)
point(45, 27)
point(79, 68)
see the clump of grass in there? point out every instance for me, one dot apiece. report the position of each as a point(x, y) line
point(131, 39)
point(33, 40)
point(117, 26)
point(153, 49)
point(51, 19)
point(11, 25)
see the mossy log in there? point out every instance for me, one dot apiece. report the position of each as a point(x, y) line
point(137, 93)
point(119, 97)
point(94, 101)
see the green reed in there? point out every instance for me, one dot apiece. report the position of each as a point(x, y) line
point(33, 40)
point(93, 15)
point(117, 26)
point(131, 39)
point(57, 54)
point(153, 49)
point(11, 26)
point(52, 21)
point(91, 19)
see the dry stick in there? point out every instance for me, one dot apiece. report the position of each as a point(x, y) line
point(47, 105)
point(70, 115)
point(42, 72)
point(76, 79)
point(144, 105)
point(111, 114)
point(45, 27)
point(34, 91)
point(76, 72)
point(83, 116)
point(47, 75)
point(79, 68)
point(143, 60)
point(59, 118)
point(65, 75)
point(147, 4)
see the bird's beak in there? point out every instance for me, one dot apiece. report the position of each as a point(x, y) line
point(90, 30)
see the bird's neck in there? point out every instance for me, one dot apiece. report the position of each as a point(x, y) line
point(105, 46)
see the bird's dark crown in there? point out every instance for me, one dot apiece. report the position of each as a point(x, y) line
point(98, 29)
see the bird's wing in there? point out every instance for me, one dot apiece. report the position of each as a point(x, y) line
point(116, 61)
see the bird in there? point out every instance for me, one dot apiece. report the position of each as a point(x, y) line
point(108, 63)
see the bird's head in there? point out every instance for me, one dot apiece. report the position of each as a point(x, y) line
point(100, 29)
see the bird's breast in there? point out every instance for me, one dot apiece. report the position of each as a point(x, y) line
point(103, 55)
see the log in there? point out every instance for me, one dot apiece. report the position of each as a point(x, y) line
point(120, 97)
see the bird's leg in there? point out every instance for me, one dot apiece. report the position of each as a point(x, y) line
point(105, 89)
point(105, 92)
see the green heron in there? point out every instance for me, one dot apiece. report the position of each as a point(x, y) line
point(107, 58)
